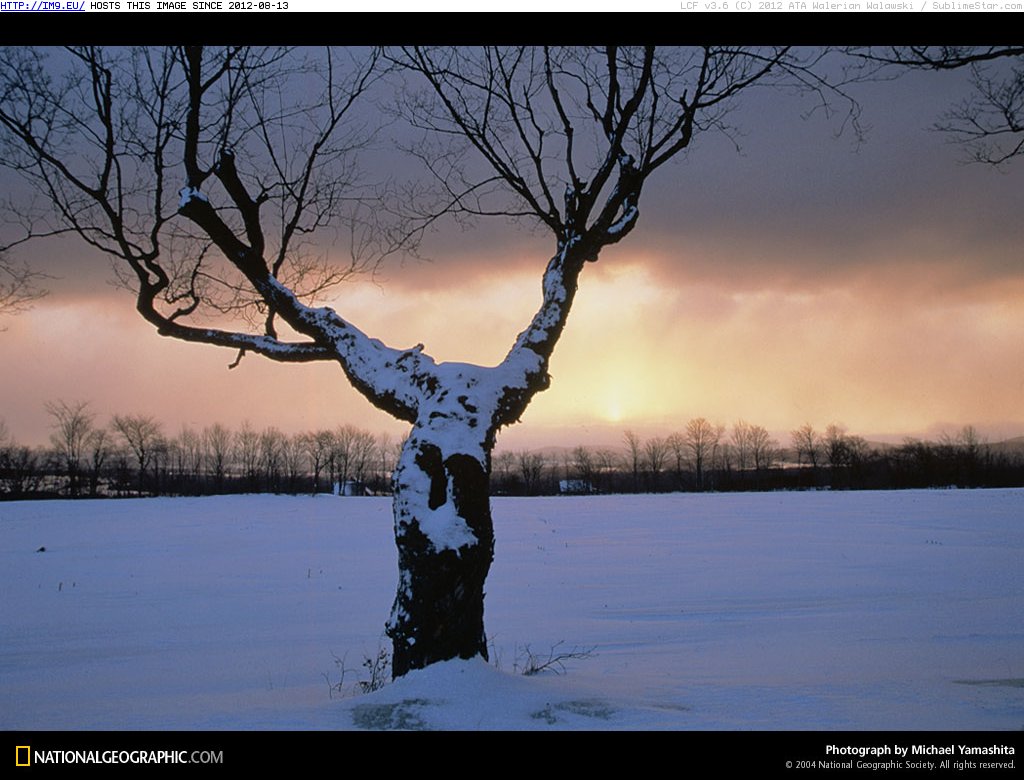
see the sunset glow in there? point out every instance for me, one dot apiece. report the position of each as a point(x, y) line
point(809, 279)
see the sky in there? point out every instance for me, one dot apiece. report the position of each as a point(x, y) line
point(804, 277)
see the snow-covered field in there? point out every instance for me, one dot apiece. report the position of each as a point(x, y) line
point(901, 610)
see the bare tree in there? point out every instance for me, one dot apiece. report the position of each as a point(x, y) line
point(720, 450)
point(318, 445)
point(163, 455)
point(387, 452)
point(191, 450)
point(175, 464)
point(702, 440)
point(741, 444)
point(531, 469)
point(142, 435)
point(584, 468)
point(246, 447)
point(271, 457)
point(205, 172)
point(364, 457)
point(217, 446)
point(606, 463)
point(989, 122)
point(676, 442)
point(20, 470)
point(834, 443)
point(763, 447)
point(97, 447)
point(806, 445)
point(72, 428)
point(343, 455)
point(655, 456)
point(502, 467)
point(293, 458)
point(634, 453)
point(967, 450)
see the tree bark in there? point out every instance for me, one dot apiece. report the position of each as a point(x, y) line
point(443, 527)
point(445, 541)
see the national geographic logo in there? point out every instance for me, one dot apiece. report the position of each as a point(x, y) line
point(25, 756)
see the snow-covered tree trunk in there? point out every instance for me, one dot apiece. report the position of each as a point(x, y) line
point(445, 541)
point(442, 514)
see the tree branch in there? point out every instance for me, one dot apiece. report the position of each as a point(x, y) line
point(640, 108)
point(990, 122)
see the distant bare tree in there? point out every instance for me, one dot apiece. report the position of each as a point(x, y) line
point(679, 452)
point(762, 447)
point(719, 449)
point(364, 456)
point(634, 453)
point(531, 469)
point(293, 459)
point(806, 445)
point(724, 457)
point(343, 454)
point(271, 457)
point(702, 440)
point(966, 450)
point(502, 467)
point(318, 446)
point(388, 451)
point(191, 451)
point(142, 435)
point(246, 445)
point(606, 463)
point(835, 444)
point(655, 456)
point(6, 452)
point(97, 446)
point(858, 447)
point(741, 444)
point(970, 440)
point(72, 426)
point(20, 470)
point(583, 468)
point(171, 466)
point(217, 448)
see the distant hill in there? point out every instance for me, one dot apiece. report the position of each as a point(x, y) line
point(1009, 446)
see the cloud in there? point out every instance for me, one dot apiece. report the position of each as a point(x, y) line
point(807, 279)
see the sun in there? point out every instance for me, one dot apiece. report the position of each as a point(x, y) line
point(613, 411)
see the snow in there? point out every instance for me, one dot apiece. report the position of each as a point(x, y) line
point(629, 216)
point(827, 610)
point(445, 529)
point(187, 194)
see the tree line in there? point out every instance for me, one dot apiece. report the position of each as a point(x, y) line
point(132, 455)
point(706, 456)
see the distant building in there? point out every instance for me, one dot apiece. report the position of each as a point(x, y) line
point(574, 486)
point(351, 487)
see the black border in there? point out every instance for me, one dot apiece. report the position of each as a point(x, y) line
point(464, 29)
